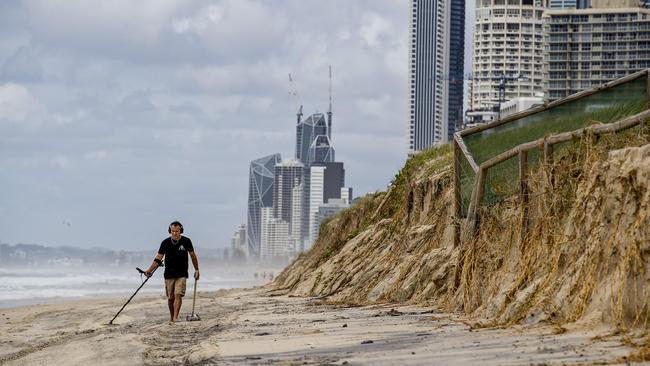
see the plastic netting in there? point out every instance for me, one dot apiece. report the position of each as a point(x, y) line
point(502, 180)
point(603, 107)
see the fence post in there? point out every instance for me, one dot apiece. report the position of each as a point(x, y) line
point(548, 161)
point(477, 197)
point(523, 192)
point(457, 196)
point(548, 154)
point(641, 126)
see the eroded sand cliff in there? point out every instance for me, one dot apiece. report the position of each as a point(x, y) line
point(583, 257)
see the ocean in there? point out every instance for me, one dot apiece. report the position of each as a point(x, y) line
point(20, 287)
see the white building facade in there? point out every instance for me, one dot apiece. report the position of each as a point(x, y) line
point(316, 192)
point(296, 243)
point(507, 55)
point(586, 48)
point(238, 242)
point(274, 235)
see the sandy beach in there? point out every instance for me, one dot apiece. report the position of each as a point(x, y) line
point(248, 327)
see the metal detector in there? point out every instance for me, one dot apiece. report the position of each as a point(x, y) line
point(160, 264)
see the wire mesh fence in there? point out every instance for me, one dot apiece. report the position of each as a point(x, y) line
point(502, 179)
point(606, 106)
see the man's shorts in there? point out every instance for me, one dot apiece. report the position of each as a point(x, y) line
point(175, 286)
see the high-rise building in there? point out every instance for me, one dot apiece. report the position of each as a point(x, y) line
point(333, 180)
point(507, 57)
point(289, 177)
point(456, 76)
point(321, 150)
point(589, 47)
point(346, 194)
point(306, 133)
point(274, 235)
point(316, 188)
point(296, 234)
point(326, 210)
point(238, 243)
point(326, 181)
point(437, 35)
point(260, 194)
point(313, 146)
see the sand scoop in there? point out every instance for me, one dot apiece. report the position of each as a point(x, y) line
point(193, 316)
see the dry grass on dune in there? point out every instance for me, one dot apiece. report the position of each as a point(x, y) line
point(584, 255)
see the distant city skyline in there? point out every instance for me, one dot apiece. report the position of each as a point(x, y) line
point(119, 117)
point(297, 188)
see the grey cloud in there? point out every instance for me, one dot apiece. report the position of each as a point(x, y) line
point(186, 108)
point(22, 66)
point(151, 111)
point(170, 32)
point(136, 104)
point(19, 106)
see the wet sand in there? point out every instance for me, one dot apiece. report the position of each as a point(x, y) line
point(248, 327)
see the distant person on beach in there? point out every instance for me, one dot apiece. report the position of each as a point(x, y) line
point(175, 250)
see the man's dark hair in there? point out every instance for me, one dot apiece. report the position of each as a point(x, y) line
point(175, 223)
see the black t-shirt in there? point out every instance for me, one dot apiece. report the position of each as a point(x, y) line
point(176, 256)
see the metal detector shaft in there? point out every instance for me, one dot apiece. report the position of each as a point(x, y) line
point(194, 297)
point(136, 291)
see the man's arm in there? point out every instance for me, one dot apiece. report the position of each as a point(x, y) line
point(195, 262)
point(155, 264)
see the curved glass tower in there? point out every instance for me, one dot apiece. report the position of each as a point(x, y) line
point(260, 194)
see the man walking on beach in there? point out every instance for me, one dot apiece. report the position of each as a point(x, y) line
point(175, 250)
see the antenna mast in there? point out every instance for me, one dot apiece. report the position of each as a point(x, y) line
point(329, 112)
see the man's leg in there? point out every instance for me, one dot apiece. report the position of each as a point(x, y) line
point(170, 304)
point(178, 301)
point(169, 289)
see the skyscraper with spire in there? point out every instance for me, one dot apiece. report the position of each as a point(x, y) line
point(314, 149)
point(314, 135)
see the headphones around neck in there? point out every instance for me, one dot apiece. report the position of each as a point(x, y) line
point(175, 223)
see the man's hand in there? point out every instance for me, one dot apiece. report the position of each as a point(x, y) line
point(147, 273)
point(196, 275)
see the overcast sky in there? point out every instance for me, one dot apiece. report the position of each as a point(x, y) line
point(119, 117)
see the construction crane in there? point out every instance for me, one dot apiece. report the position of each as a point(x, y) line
point(293, 96)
